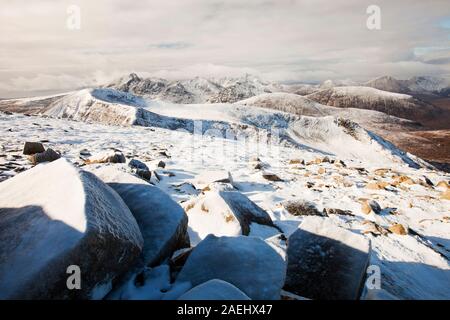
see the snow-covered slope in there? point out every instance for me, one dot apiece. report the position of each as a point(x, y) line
point(412, 265)
point(396, 104)
point(97, 105)
point(32, 105)
point(293, 103)
point(424, 84)
point(324, 131)
point(387, 83)
point(414, 85)
point(290, 123)
point(338, 136)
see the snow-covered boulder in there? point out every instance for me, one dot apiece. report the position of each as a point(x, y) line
point(136, 164)
point(326, 261)
point(248, 263)
point(223, 211)
point(206, 178)
point(162, 221)
point(214, 290)
point(109, 156)
point(54, 216)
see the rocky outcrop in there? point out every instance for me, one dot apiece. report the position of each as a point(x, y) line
point(54, 216)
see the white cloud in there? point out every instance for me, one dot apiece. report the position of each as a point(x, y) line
point(308, 40)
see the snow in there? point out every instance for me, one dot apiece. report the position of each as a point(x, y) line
point(157, 286)
point(70, 211)
point(228, 120)
point(411, 267)
point(99, 105)
point(214, 290)
point(369, 92)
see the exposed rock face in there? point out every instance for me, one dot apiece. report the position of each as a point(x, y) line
point(223, 211)
point(248, 263)
point(234, 93)
point(54, 216)
point(162, 221)
point(326, 261)
point(214, 290)
point(196, 90)
point(154, 88)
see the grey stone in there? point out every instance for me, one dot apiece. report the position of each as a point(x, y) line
point(326, 261)
point(248, 263)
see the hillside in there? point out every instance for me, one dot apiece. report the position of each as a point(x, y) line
point(395, 104)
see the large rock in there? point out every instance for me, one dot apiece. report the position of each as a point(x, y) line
point(54, 216)
point(136, 164)
point(30, 148)
point(162, 221)
point(48, 155)
point(223, 211)
point(326, 261)
point(206, 178)
point(214, 290)
point(248, 263)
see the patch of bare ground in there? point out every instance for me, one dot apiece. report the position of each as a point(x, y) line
point(443, 120)
point(430, 145)
point(431, 141)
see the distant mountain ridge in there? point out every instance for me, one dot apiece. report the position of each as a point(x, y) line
point(195, 90)
point(414, 85)
point(395, 104)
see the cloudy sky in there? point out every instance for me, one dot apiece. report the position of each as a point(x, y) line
point(282, 40)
